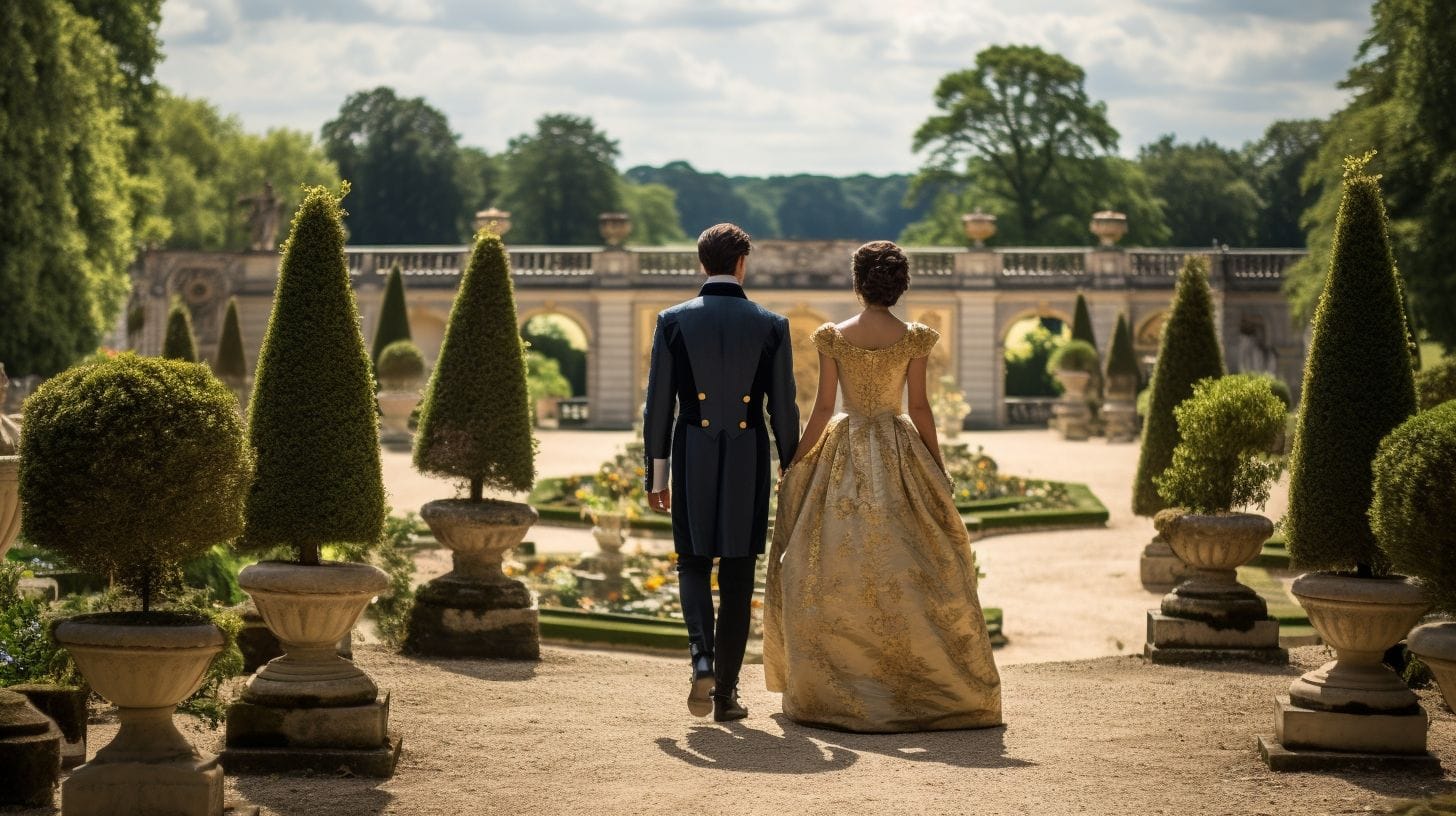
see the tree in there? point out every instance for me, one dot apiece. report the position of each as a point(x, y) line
point(545, 336)
point(312, 418)
point(1206, 193)
point(65, 216)
point(179, 343)
point(480, 184)
point(1082, 323)
point(475, 422)
point(1015, 121)
point(1358, 387)
point(702, 199)
point(654, 214)
point(1279, 160)
point(1122, 368)
point(559, 179)
point(403, 162)
point(232, 364)
point(1187, 352)
point(393, 314)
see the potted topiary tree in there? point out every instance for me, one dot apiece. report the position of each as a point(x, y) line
point(1222, 462)
point(1074, 364)
point(400, 369)
point(312, 422)
point(475, 425)
point(1119, 411)
point(1413, 516)
point(393, 315)
point(158, 446)
point(1357, 388)
point(232, 365)
point(1187, 352)
point(1082, 330)
point(179, 344)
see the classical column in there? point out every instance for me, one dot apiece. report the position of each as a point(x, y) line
point(977, 358)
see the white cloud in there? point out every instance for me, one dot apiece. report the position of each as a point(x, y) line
point(754, 86)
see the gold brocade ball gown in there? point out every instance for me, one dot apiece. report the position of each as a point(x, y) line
point(871, 619)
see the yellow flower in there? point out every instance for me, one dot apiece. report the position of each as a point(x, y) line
point(641, 471)
point(965, 494)
point(981, 487)
point(653, 583)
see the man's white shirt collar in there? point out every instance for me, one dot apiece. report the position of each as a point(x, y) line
point(723, 279)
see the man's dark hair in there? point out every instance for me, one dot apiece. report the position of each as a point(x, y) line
point(720, 246)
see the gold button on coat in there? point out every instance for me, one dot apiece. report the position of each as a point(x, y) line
point(702, 396)
point(747, 398)
point(743, 425)
point(705, 423)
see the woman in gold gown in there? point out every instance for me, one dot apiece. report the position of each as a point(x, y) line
point(871, 619)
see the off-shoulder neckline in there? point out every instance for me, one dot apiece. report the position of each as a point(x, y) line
point(911, 328)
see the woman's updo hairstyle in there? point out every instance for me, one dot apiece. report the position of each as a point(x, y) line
point(881, 273)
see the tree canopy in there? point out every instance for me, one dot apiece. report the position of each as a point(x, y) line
point(1208, 197)
point(559, 179)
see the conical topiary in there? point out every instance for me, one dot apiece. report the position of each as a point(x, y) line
point(312, 415)
point(1122, 367)
point(232, 365)
point(179, 344)
point(1358, 387)
point(475, 421)
point(1082, 323)
point(1187, 352)
point(393, 315)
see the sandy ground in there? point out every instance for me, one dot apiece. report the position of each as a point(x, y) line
point(591, 732)
point(1066, 595)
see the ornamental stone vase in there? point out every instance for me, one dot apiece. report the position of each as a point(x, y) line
point(610, 532)
point(310, 709)
point(145, 664)
point(1210, 615)
point(1073, 417)
point(395, 406)
point(474, 610)
point(1435, 645)
point(1108, 226)
point(615, 227)
point(9, 502)
point(1354, 709)
point(496, 220)
point(979, 227)
point(30, 755)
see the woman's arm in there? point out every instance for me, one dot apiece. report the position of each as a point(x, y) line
point(823, 407)
point(920, 413)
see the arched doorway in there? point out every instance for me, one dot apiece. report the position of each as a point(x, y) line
point(557, 369)
point(1027, 344)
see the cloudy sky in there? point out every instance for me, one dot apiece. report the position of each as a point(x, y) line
point(757, 86)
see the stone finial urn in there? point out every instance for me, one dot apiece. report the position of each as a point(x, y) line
point(980, 227)
point(615, 227)
point(496, 220)
point(1109, 226)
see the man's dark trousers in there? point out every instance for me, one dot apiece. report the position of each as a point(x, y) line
point(735, 591)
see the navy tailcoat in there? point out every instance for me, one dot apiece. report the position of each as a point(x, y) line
point(716, 359)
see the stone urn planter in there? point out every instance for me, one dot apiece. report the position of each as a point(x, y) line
point(9, 502)
point(979, 227)
point(1072, 416)
point(1435, 645)
point(1354, 704)
point(1119, 416)
point(1109, 227)
point(30, 758)
point(394, 413)
point(474, 610)
point(1210, 615)
point(615, 227)
point(144, 664)
point(610, 532)
point(310, 609)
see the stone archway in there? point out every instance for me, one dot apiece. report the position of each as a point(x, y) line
point(1026, 392)
point(564, 338)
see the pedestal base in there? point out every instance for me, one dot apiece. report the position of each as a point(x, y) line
point(1178, 640)
point(29, 767)
point(1302, 729)
point(1160, 569)
point(1279, 758)
point(186, 788)
point(267, 739)
point(455, 617)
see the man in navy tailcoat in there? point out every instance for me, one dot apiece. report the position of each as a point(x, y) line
point(716, 360)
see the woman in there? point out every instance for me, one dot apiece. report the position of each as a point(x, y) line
point(872, 621)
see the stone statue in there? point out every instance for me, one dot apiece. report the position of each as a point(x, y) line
point(264, 211)
point(1253, 354)
point(9, 431)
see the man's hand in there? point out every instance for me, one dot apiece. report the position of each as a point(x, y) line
point(661, 501)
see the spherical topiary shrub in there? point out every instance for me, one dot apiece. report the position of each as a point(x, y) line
point(312, 417)
point(401, 365)
point(1357, 389)
point(179, 343)
point(475, 421)
point(232, 365)
point(1221, 461)
point(1075, 355)
point(393, 314)
point(1436, 384)
point(1275, 385)
point(1187, 352)
point(130, 466)
point(1413, 511)
point(1122, 367)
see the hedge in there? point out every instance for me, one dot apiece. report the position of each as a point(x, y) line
point(1413, 511)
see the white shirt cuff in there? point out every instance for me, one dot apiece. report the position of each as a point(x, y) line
point(659, 474)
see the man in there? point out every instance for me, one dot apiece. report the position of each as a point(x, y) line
point(715, 359)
